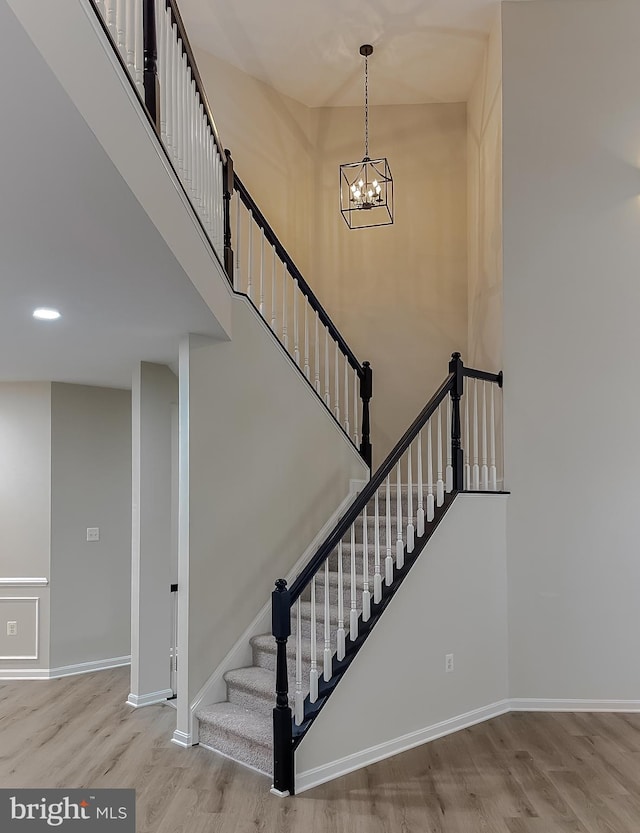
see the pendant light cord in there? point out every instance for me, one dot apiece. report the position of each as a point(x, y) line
point(366, 106)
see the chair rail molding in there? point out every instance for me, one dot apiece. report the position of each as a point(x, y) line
point(26, 581)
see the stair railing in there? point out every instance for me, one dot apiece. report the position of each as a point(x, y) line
point(362, 562)
point(265, 272)
point(151, 41)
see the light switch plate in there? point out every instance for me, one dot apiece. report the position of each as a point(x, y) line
point(12, 628)
point(93, 533)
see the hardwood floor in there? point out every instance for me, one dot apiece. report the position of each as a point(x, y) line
point(520, 773)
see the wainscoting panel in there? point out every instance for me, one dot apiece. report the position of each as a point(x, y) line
point(24, 611)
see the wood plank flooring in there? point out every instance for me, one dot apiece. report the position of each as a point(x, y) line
point(520, 773)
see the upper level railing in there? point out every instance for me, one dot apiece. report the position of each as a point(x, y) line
point(151, 40)
point(336, 599)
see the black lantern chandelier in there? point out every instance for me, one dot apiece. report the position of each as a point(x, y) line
point(366, 187)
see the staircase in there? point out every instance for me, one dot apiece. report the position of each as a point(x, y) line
point(242, 727)
point(322, 620)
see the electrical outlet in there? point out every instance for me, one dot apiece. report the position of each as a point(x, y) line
point(93, 533)
point(12, 628)
point(448, 663)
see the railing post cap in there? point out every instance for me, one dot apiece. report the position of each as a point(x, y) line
point(456, 355)
point(281, 585)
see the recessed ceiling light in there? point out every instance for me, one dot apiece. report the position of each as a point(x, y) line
point(45, 314)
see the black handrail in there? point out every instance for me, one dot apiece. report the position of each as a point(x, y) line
point(191, 61)
point(353, 512)
point(295, 273)
point(497, 378)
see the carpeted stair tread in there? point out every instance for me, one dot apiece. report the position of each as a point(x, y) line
point(253, 688)
point(242, 734)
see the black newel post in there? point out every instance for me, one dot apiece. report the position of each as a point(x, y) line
point(457, 454)
point(150, 55)
point(282, 742)
point(228, 193)
point(366, 392)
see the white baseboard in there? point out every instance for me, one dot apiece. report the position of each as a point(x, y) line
point(63, 670)
point(327, 772)
point(215, 689)
point(138, 701)
point(183, 739)
point(24, 674)
point(548, 705)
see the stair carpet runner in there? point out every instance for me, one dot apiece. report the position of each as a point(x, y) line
point(242, 726)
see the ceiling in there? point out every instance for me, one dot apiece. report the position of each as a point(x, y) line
point(73, 236)
point(425, 50)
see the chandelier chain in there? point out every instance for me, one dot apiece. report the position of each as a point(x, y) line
point(366, 106)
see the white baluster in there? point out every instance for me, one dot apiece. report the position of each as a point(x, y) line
point(298, 698)
point(285, 311)
point(420, 510)
point(356, 382)
point(111, 18)
point(476, 467)
point(327, 375)
point(138, 56)
point(130, 34)
point(353, 616)
point(388, 562)
point(346, 396)
point(250, 259)
point(440, 481)
point(316, 354)
point(377, 576)
point(327, 625)
point(261, 306)
point(399, 543)
point(121, 23)
point(173, 93)
point(296, 342)
point(448, 477)
point(493, 473)
point(313, 673)
point(307, 369)
point(411, 530)
point(467, 467)
point(237, 274)
point(102, 9)
point(340, 635)
point(161, 23)
point(430, 498)
point(484, 471)
point(366, 595)
point(273, 292)
point(336, 390)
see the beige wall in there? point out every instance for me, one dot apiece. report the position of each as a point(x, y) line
point(397, 293)
point(572, 297)
point(269, 138)
point(25, 515)
point(154, 395)
point(484, 114)
point(91, 487)
point(260, 488)
point(397, 693)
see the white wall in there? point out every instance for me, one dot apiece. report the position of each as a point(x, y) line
point(572, 298)
point(267, 467)
point(396, 693)
point(91, 487)
point(484, 201)
point(154, 394)
point(25, 502)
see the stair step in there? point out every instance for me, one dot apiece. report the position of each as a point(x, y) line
point(240, 733)
point(253, 688)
